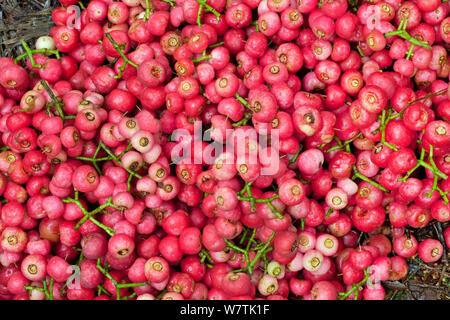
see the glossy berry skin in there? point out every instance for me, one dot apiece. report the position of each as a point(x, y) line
point(430, 250)
point(402, 161)
point(292, 192)
point(367, 220)
point(404, 246)
point(341, 165)
point(85, 178)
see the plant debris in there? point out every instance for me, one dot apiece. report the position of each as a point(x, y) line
point(426, 281)
point(23, 20)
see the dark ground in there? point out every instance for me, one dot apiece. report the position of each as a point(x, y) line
point(23, 20)
point(425, 281)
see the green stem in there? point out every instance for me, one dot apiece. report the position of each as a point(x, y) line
point(132, 285)
point(243, 121)
point(435, 176)
point(255, 23)
point(443, 194)
point(430, 95)
point(51, 289)
point(266, 201)
point(102, 226)
point(231, 245)
point(161, 294)
point(218, 44)
point(355, 287)
point(95, 156)
point(89, 215)
point(116, 284)
point(345, 144)
point(130, 177)
point(170, 2)
point(422, 156)
point(394, 33)
point(250, 240)
point(250, 195)
point(106, 274)
point(147, 11)
point(101, 289)
point(401, 32)
point(383, 125)
point(328, 213)
point(202, 58)
point(266, 263)
point(357, 174)
point(257, 247)
point(275, 211)
point(209, 8)
point(206, 255)
point(262, 251)
point(124, 57)
point(199, 15)
point(246, 257)
point(438, 172)
point(30, 55)
point(243, 101)
point(94, 160)
point(339, 145)
point(360, 51)
point(410, 52)
point(115, 158)
point(43, 51)
point(44, 283)
point(56, 103)
point(403, 179)
point(34, 288)
point(402, 25)
point(433, 164)
point(435, 182)
point(243, 236)
point(295, 157)
point(128, 148)
point(134, 294)
point(422, 44)
point(81, 258)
